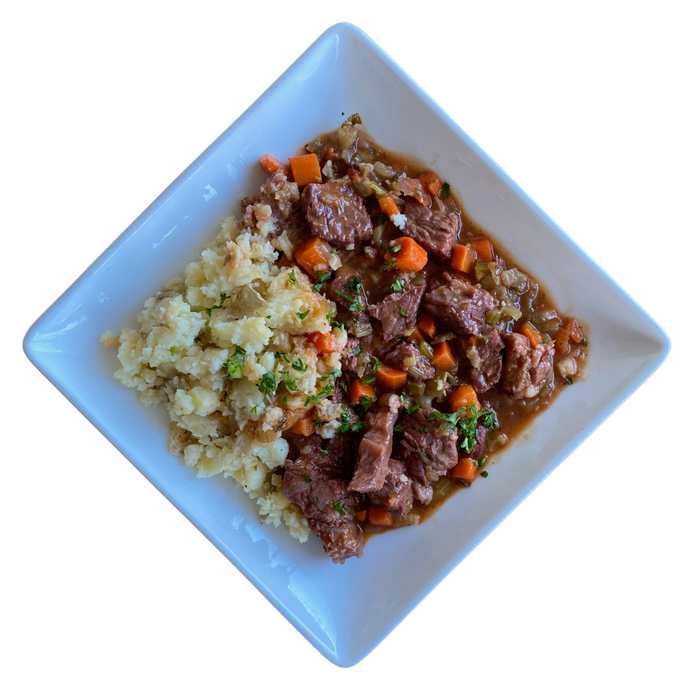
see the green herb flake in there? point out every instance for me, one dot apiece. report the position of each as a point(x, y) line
point(369, 379)
point(355, 304)
point(395, 248)
point(173, 350)
point(569, 380)
point(486, 341)
point(254, 409)
point(403, 313)
point(282, 356)
point(334, 251)
point(308, 479)
point(284, 400)
point(293, 277)
point(317, 398)
point(482, 461)
point(397, 285)
point(323, 451)
point(389, 265)
point(338, 508)
point(299, 365)
point(354, 283)
point(322, 279)
point(303, 314)
point(291, 384)
point(398, 428)
point(484, 474)
point(334, 373)
point(268, 383)
point(234, 364)
point(446, 191)
point(382, 219)
point(413, 409)
point(356, 350)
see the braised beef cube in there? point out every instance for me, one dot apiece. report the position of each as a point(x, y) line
point(324, 499)
point(478, 448)
point(457, 304)
point(435, 229)
point(336, 212)
point(348, 291)
point(429, 451)
point(398, 311)
point(409, 358)
point(526, 370)
point(483, 359)
point(376, 444)
point(282, 198)
point(397, 493)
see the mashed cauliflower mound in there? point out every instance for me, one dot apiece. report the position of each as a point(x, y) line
point(225, 350)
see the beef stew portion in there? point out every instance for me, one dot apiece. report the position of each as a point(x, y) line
point(452, 349)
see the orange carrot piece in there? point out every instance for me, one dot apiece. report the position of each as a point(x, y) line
point(464, 397)
point(574, 330)
point(272, 165)
point(380, 516)
point(410, 257)
point(357, 390)
point(388, 205)
point(391, 379)
point(443, 357)
point(314, 255)
point(465, 469)
point(483, 248)
point(304, 426)
point(463, 257)
point(323, 342)
point(416, 335)
point(431, 182)
point(360, 516)
point(305, 169)
point(427, 326)
point(561, 342)
point(531, 333)
point(354, 174)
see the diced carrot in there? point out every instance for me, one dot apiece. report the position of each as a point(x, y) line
point(463, 397)
point(304, 426)
point(427, 326)
point(574, 330)
point(323, 342)
point(463, 257)
point(410, 257)
point(531, 333)
point(360, 516)
point(483, 248)
point(330, 153)
point(354, 174)
point(380, 516)
point(443, 357)
point(561, 342)
point(391, 379)
point(357, 390)
point(272, 165)
point(465, 469)
point(388, 205)
point(305, 169)
point(431, 182)
point(416, 335)
point(314, 255)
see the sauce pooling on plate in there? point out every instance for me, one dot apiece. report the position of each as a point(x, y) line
point(451, 348)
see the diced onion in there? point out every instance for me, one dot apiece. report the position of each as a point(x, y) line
point(493, 316)
point(384, 170)
point(511, 311)
point(441, 488)
point(378, 234)
point(515, 279)
point(419, 279)
point(424, 401)
point(567, 367)
point(416, 388)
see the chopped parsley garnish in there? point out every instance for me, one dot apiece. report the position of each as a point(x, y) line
point(291, 384)
point(282, 356)
point(338, 508)
point(389, 265)
point(369, 379)
point(382, 219)
point(330, 316)
point(397, 285)
point(197, 340)
point(484, 474)
point(334, 251)
point(268, 383)
point(377, 363)
point(395, 248)
point(299, 365)
point(368, 250)
point(293, 277)
point(173, 350)
point(222, 298)
point(355, 304)
point(308, 479)
point(334, 373)
point(568, 380)
point(347, 427)
point(413, 409)
point(486, 341)
point(234, 364)
point(354, 284)
point(343, 386)
point(303, 314)
point(254, 409)
point(482, 461)
point(366, 401)
point(356, 350)
point(446, 191)
point(284, 400)
point(398, 428)
point(317, 398)
point(322, 279)
point(323, 451)
point(467, 426)
point(403, 313)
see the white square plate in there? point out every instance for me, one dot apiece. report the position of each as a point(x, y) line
point(344, 611)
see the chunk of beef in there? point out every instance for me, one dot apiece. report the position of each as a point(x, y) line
point(397, 493)
point(350, 358)
point(375, 447)
point(398, 311)
point(526, 370)
point(347, 291)
point(457, 304)
point(484, 361)
point(282, 197)
point(419, 371)
point(336, 212)
point(435, 229)
point(324, 499)
point(428, 450)
point(478, 448)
